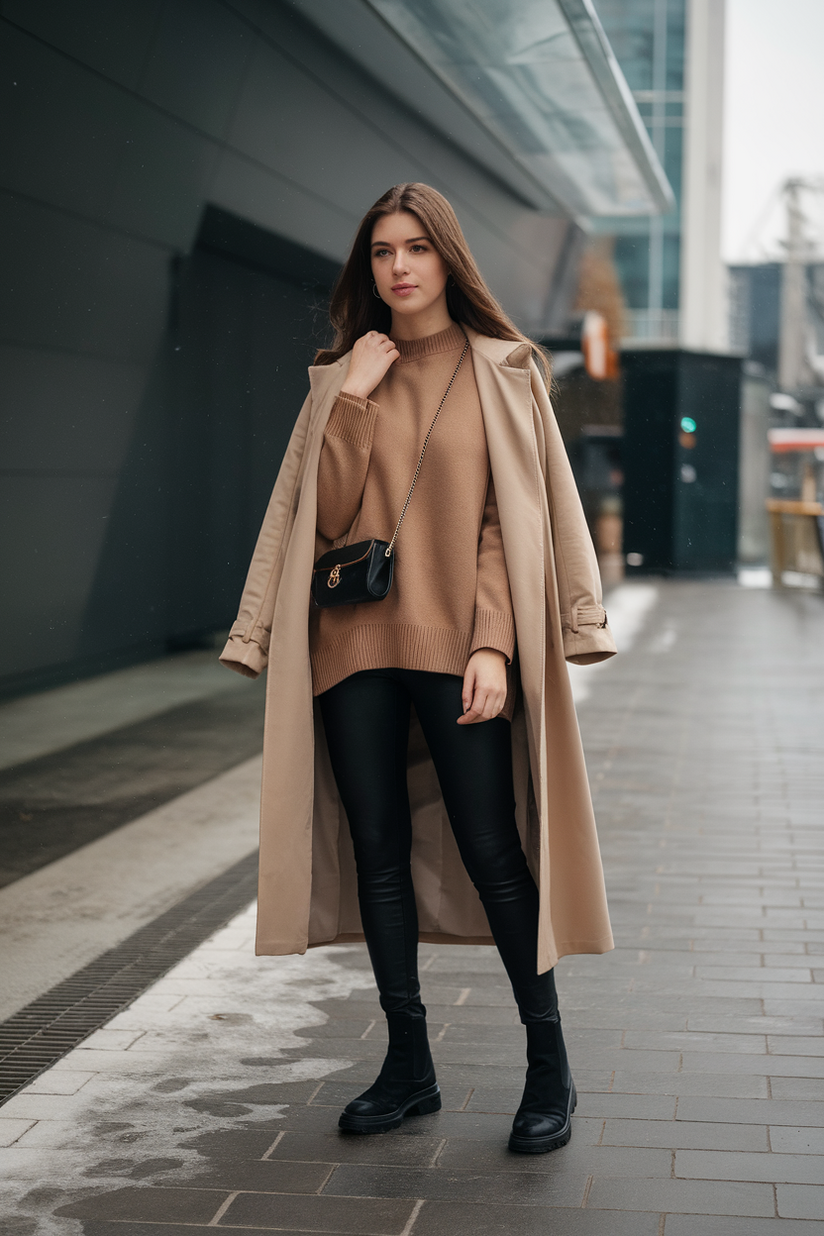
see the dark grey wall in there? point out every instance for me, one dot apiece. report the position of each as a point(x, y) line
point(122, 122)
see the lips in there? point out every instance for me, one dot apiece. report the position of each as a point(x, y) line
point(403, 289)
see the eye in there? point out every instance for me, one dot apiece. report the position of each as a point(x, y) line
point(380, 253)
point(419, 248)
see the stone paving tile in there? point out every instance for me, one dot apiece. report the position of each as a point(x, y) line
point(802, 1045)
point(697, 1197)
point(450, 1184)
point(752, 1111)
point(797, 1087)
point(722, 1085)
point(11, 1130)
point(723, 1165)
point(697, 1046)
point(677, 1134)
point(628, 1106)
point(575, 1156)
point(800, 1201)
point(697, 1041)
point(361, 1216)
point(21, 1163)
point(149, 1205)
point(760, 974)
point(768, 1065)
point(457, 1219)
point(257, 1176)
point(414, 1150)
point(722, 1225)
point(784, 1026)
point(796, 1141)
point(788, 1008)
point(119, 1228)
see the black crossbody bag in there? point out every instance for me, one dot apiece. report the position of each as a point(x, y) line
point(363, 572)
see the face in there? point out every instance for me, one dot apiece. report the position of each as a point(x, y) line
point(409, 273)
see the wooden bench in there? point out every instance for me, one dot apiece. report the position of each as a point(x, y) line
point(796, 538)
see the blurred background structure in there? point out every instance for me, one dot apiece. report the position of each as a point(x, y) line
point(655, 444)
point(777, 322)
point(181, 182)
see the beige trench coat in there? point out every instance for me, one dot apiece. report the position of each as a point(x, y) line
point(307, 888)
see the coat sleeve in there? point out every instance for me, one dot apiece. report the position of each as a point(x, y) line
point(587, 637)
point(344, 462)
point(247, 649)
point(494, 623)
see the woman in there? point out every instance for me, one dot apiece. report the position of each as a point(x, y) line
point(495, 583)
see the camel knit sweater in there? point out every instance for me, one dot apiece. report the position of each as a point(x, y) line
point(450, 592)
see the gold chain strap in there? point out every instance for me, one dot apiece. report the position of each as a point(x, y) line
point(391, 544)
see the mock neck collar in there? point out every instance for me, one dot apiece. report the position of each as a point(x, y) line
point(416, 349)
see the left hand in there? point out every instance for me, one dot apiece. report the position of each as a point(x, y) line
point(484, 686)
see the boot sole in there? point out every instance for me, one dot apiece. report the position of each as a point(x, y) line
point(421, 1104)
point(554, 1141)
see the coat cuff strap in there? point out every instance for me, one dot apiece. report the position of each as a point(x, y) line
point(243, 656)
point(584, 615)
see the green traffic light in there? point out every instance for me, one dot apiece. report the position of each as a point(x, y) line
point(687, 424)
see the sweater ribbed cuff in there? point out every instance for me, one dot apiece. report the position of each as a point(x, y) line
point(494, 629)
point(353, 420)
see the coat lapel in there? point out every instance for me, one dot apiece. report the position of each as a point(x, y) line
point(505, 393)
point(506, 403)
point(288, 787)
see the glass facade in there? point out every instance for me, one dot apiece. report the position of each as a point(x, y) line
point(539, 78)
point(648, 39)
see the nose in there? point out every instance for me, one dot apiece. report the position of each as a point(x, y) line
point(400, 264)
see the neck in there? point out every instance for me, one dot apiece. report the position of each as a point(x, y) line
point(430, 321)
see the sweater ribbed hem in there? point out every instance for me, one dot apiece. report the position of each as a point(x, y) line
point(416, 349)
point(436, 650)
point(353, 420)
point(440, 650)
point(493, 630)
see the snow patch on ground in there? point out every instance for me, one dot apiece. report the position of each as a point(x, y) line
point(194, 1055)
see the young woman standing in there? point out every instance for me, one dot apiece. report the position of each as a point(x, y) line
point(495, 581)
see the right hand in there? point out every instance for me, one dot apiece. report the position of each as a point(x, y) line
point(371, 357)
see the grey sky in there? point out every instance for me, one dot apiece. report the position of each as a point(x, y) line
point(774, 123)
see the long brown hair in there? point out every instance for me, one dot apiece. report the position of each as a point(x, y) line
point(354, 309)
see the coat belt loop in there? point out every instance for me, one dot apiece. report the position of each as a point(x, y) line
point(573, 617)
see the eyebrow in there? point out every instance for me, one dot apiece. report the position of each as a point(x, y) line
point(410, 241)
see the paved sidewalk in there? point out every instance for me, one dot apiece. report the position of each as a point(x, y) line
point(697, 1046)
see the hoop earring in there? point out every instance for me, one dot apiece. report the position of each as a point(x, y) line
point(375, 291)
point(450, 282)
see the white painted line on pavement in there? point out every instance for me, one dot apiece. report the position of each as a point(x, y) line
point(48, 721)
point(63, 916)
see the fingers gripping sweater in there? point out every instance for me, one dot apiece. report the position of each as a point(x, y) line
point(450, 592)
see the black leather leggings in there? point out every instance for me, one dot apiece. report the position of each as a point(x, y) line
point(366, 718)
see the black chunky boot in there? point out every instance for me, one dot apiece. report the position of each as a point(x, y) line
point(543, 1122)
point(405, 1086)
